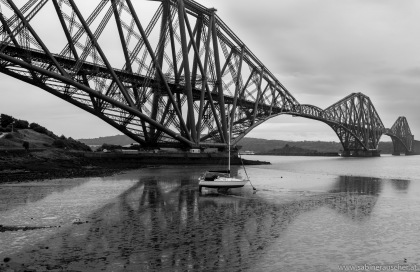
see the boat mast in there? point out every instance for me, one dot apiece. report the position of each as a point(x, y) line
point(229, 143)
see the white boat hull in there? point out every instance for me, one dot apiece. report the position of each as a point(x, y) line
point(223, 182)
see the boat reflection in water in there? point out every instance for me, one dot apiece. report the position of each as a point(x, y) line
point(162, 223)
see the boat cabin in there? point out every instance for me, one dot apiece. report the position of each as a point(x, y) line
point(212, 175)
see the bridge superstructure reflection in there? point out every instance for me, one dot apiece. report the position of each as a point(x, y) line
point(163, 223)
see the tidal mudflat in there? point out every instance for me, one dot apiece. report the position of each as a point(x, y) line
point(156, 220)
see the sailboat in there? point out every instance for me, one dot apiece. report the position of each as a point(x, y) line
point(221, 179)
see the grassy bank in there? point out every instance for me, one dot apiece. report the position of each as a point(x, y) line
point(26, 155)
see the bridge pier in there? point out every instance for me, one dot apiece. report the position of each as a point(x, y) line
point(405, 153)
point(361, 153)
point(399, 152)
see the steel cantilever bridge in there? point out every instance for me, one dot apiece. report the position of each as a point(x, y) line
point(184, 79)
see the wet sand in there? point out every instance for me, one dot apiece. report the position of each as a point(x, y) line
point(156, 220)
point(52, 164)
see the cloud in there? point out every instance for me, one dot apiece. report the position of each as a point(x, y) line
point(286, 127)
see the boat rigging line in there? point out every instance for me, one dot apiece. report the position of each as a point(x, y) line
point(246, 173)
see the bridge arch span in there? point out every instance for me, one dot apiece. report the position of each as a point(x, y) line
point(308, 112)
point(353, 118)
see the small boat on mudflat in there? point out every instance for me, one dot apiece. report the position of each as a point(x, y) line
point(220, 180)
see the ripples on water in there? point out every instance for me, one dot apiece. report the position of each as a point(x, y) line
point(301, 218)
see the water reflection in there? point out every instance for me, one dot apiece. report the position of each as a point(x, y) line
point(162, 223)
point(361, 194)
point(400, 184)
point(357, 207)
point(360, 185)
point(13, 195)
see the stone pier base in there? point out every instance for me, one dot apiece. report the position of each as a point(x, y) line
point(361, 153)
point(396, 153)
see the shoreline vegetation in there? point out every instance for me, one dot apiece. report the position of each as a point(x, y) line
point(29, 151)
point(18, 165)
point(21, 165)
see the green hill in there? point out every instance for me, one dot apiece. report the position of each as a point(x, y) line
point(112, 140)
point(35, 139)
point(19, 134)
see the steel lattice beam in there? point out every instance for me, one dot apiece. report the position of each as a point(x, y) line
point(184, 74)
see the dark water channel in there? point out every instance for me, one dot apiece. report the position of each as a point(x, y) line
point(156, 220)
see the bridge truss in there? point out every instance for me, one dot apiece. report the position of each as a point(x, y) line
point(354, 119)
point(184, 79)
point(181, 77)
point(401, 136)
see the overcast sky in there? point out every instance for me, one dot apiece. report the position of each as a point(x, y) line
point(321, 50)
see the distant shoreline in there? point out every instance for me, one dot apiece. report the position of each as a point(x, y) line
point(316, 154)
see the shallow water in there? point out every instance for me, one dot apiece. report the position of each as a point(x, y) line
point(311, 214)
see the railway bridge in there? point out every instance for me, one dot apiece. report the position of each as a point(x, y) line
point(180, 78)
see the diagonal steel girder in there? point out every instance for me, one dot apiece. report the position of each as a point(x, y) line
point(201, 84)
point(93, 93)
point(186, 80)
